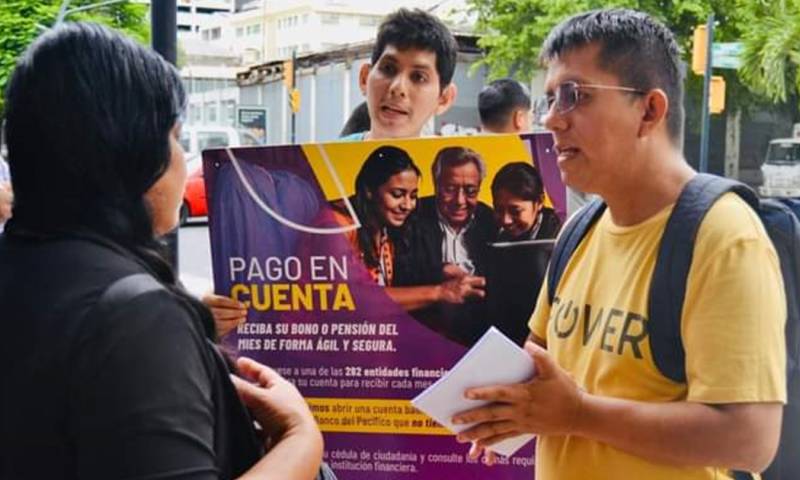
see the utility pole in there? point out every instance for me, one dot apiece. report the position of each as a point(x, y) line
point(294, 86)
point(705, 132)
point(164, 28)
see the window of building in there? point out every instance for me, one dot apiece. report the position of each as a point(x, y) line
point(207, 140)
point(305, 18)
point(254, 29)
point(229, 112)
point(215, 33)
point(196, 113)
point(369, 20)
point(239, 31)
point(211, 114)
point(329, 18)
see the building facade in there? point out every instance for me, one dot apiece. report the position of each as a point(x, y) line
point(328, 84)
point(267, 30)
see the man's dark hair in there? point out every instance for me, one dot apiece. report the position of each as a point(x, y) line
point(358, 121)
point(406, 29)
point(521, 180)
point(498, 100)
point(636, 48)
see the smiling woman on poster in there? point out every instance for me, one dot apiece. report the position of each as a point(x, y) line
point(518, 201)
point(385, 202)
point(112, 368)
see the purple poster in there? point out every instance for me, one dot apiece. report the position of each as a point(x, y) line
point(358, 263)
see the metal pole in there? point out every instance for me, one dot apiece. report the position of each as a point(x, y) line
point(164, 27)
point(704, 134)
point(294, 85)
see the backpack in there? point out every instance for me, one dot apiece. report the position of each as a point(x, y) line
point(668, 288)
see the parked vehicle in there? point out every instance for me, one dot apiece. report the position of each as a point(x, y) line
point(781, 168)
point(195, 139)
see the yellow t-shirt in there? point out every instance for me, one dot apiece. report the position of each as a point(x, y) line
point(732, 329)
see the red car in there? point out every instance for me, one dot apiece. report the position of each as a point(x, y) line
point(194, 140)
point(194, 198)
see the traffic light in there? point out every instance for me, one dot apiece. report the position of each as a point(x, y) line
point(294, 100)
point(716, 102)
point(288, 73)
point(699, 49)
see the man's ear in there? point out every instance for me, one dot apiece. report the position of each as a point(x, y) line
point(656, 107)
point(518, 120)
point(363, 73)
point(446, 98)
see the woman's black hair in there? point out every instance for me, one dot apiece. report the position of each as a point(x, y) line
point(381, 165)
point(521, 180)
point(88, 118)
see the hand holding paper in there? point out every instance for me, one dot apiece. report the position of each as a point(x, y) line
point(493, 360)
point(549, 404)
point(491, 397)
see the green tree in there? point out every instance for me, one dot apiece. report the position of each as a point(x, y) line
point(515, 29)
point(513, 32)
point(22, 20)
point(771, 59)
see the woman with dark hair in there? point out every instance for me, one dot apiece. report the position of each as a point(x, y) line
point(518, 198)
point(386, 195)
point(384, 202)
point(113, 372)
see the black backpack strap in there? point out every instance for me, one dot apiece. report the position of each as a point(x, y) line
point(668, 286)
point(568, 241)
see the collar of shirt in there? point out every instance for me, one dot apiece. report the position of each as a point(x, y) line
point(454, 245)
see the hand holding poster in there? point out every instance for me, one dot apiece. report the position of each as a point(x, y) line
point(365, 270)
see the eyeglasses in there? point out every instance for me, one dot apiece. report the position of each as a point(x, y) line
point(470, 191)
point(568, 95)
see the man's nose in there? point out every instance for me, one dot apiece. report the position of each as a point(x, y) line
point(398, 86)
point(554, 121)
point(461, 196)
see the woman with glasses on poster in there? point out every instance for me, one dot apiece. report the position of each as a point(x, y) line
point(113, 371)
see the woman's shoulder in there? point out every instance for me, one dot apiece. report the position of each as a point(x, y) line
point(551, 224)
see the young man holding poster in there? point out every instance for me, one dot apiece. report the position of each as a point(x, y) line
point(600, 405)
point(406, 83)
point(409, 77)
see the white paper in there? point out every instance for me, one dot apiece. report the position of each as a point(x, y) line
point(493, 360)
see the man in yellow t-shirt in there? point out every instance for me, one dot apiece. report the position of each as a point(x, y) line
point(599, 404)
